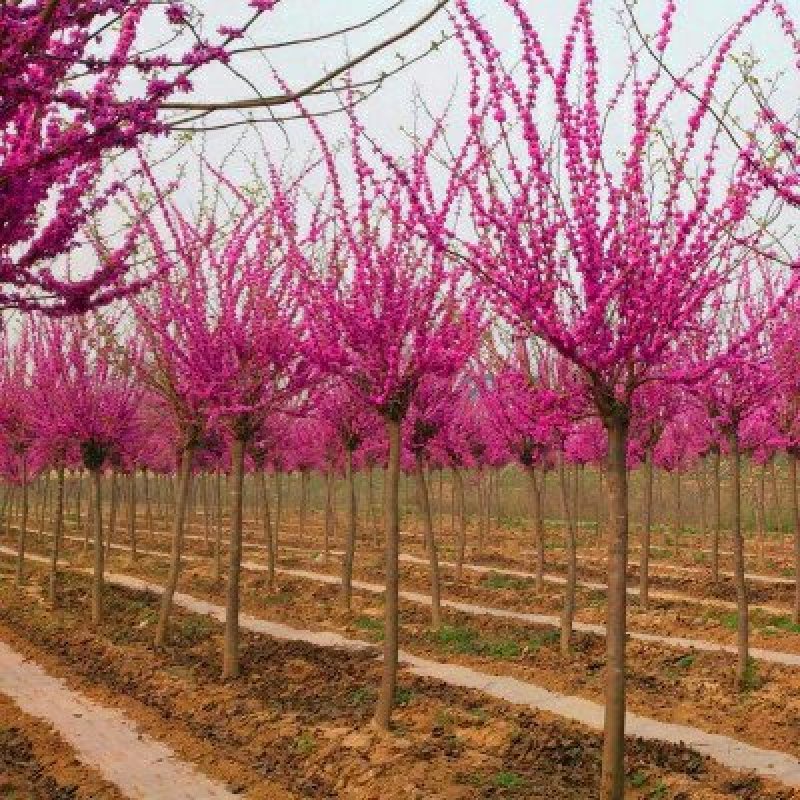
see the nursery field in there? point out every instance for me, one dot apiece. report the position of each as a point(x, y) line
point(399, 399)
point(488, 704)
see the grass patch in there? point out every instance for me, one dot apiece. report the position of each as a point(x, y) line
point(305, 744)
point(362, 696)
point(370, 625)
point(543, 639)
point(508, 780)
point(463, 640)
point(496, 580)
point(403, 697)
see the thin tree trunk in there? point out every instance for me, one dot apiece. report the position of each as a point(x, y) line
point(185, 478)
point(795, 505)
point(78, 500)
point(278, 513)
point(568, 610)
point(346, 594)
point(538, 524)
point(99, 561)
point(269, 540)
point(132, 513)
point(677, 522)
point(430, 544)
point(742, 639)
point(206, 513)
point(58, 527)
point(328, 512)
point(44, 491)
point(112, 511)
point(647, 529)
point(613, 771)
point(761, 513)
point(383, 708)
point(218, 532)
point(230, 667)
point(717, 500)
point(148, 509)
point(461, 544)
point(23, 524)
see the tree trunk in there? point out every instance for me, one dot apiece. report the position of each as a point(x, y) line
point(148, 508)
point(346, 594)
point(328, 512)
point(644, 557)
point(795, 505)
point(761, 513)
point(99, 561)
point(461, 544)
point(23, 524)
point(206, 513)
point(717, 500)
point(218, 532)
point(112, 511)
point(383, 708)
point(278, 511)
point(57, 530)
point(677, 522)
point(185, 478)
point(230, 667)
point(430, 543)
point(538, 524)
point(742, 638)
point(568, 610)
point(268, 538)
point(613, 772)
point(132, 513)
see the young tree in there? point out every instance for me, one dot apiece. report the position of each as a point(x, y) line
point(577, 253)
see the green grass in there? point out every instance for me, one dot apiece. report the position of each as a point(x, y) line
point(463, 640)
point(372, 626)
point(362, 696)
point(543, 639)
point(508, 780)
point(403, 697)
point(496, 580)
point(305, 744)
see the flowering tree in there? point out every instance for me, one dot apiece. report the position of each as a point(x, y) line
point(384, 313)
point(227, 347)
point(576, 253)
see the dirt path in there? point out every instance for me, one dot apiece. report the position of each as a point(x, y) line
point(103, 738)
point(723, 749)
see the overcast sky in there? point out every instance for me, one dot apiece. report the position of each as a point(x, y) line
point(387, 112)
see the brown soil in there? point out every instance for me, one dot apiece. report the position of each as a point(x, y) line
point(36, 764)
point(294, 724)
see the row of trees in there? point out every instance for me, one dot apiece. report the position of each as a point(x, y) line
point(617, 248)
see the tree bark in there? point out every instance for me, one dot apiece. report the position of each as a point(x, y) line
point(613, 772)
point(185, 478)
point(268, 539)
point(132, 513)
point(647, 529)
point(346, 594)
point(742, 638)
point(218, 532)
point(430, 543)
point(23, 524)
point(58, 527)
point(383, 709)
point(461, 544)
point(99, 549)
point(230, 667)
point(568, 610)
point(795, 505)
point(328, 512)
point(112, 511)
point(717, 500)
point(538, 524)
